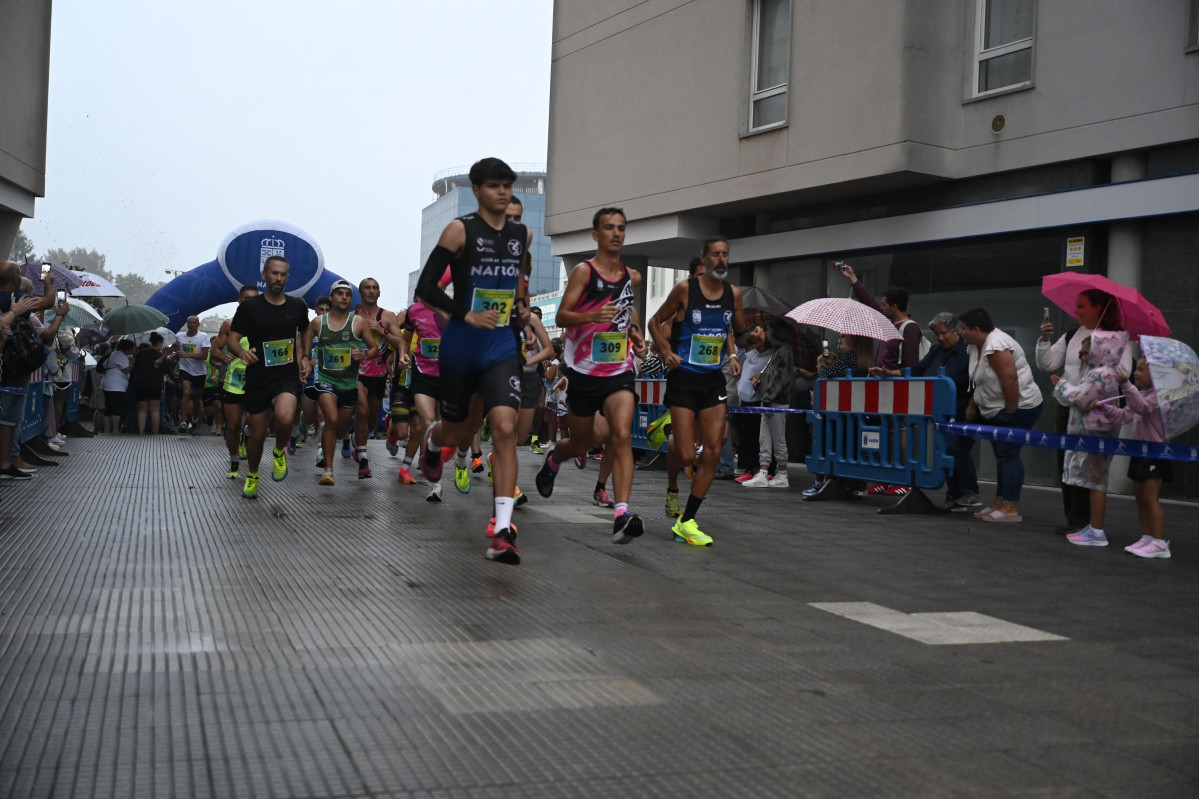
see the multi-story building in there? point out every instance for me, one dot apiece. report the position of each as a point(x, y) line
point(455, 199)
point(24, 103)
point(963, 150)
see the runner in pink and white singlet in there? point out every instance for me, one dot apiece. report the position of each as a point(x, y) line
point(602, 333)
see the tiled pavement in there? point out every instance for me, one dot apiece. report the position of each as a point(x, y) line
point(161, 636)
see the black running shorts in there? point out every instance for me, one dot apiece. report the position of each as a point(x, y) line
point(498, 384)
point(585, 394)
point(695, 391)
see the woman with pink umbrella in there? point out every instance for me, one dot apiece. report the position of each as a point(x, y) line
point(1094, 309)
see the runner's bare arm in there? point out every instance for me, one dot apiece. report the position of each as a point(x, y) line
point(365, 332)
point(543, 338)
point(247, 356)
point(576, 284)
point(660, 325)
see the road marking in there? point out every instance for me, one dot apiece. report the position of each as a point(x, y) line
point(937, 629)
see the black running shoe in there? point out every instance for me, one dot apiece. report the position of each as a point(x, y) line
point(502, 547)
point(626, 528)
point(545, 478)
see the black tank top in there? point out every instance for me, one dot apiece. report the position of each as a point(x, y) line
point(487, 273)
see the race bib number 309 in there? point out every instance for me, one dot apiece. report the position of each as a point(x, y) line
point(494, 300)
point(705, 350)
point(279, 353)
point(610, 347)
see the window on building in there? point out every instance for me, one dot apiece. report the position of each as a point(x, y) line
point(1193, 25)
point(770, 64)
point(1005, 35)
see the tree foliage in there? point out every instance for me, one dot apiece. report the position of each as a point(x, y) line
point(22, 248)
point(137, 289)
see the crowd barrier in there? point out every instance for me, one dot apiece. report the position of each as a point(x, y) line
point(1131, 447)
point(650, 394)
point(35, 406)
point(70, 410)
point(882, 431)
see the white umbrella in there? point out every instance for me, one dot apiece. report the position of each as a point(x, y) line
point(846, 316)
point(95, 286)
point(168, 337)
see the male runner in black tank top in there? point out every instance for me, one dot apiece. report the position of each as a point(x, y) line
point(697, 399)
point(485, 253)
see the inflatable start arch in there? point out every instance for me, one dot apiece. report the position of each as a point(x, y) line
point(239, 261)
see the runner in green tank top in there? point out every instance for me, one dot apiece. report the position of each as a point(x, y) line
point(233, 388)
point(344, 340)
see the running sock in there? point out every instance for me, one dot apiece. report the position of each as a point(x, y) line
point(405, 461)
point(600, 487)
point(359, 453)
point(460, 459)
point(693, 503)
point(551, 460)
point(503, 512)
point(476, 454)
point(621, 509)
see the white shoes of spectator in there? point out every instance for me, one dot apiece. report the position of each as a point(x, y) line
point(759, 480)
point(779, 481)
point(59, 440)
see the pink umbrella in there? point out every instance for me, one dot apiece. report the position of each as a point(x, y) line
point(1140, 317)
point(846, 316)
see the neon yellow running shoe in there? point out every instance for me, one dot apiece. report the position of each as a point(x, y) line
point(462, 479)
point(672, 503)
point(234, 470)
point(250, 491)
point(490, 472)
point(241, 450)
point(279, 465)
point(689, 532)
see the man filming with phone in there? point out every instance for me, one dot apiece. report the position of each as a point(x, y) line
point(897, 354)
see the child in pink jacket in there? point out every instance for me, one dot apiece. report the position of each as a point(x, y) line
point(1147, 475)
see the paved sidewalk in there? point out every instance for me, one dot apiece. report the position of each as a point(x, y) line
point(161, 636)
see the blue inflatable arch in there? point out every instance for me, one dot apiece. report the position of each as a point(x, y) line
point(239, 261)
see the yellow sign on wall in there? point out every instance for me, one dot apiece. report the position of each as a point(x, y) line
point(1074, 251)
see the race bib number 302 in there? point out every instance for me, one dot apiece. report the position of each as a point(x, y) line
point(610, 347)
point(705, 350)
point(278, 353)
point(494, 300)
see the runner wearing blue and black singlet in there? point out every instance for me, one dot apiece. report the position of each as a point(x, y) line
point(480, 366)
point(710, 312)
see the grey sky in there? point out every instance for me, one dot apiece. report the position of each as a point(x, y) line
point(171, 124)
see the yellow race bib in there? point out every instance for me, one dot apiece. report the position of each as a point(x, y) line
point(494, 300)
point(705, 350)
point(610, 347)
point(279, 353)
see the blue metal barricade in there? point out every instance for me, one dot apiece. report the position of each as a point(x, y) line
point(883, 431)
point(650, 394)
point(35, 405)
point(70, 410)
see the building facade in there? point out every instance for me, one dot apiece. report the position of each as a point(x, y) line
point(24, 105)
point(962, 150)
point(454, 198)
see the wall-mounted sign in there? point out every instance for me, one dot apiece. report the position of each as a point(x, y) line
point(1074, 251)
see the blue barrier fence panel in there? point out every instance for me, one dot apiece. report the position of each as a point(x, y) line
point(882, 430)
